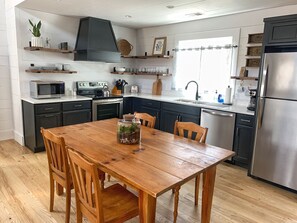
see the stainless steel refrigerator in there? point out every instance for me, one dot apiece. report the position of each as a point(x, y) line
point(275, 149)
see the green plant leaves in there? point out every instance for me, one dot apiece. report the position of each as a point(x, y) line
point(35, 28)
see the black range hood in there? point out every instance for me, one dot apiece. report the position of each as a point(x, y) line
point(96, 41)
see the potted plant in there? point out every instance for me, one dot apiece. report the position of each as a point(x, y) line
point(36, 39)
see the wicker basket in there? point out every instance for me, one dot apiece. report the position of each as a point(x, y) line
point(124, 46)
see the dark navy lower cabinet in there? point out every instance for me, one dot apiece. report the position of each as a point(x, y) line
point(151, 107)
point(243, 140)
point(171, 112)
point(50, 115)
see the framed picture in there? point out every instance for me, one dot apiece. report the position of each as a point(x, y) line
point(159, 46)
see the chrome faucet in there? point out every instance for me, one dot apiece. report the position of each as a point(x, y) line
point(197, 96)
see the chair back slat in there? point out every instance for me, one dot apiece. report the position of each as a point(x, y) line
point(56, 153)
point(189, 130)
point(87, 185)
point(146, 119)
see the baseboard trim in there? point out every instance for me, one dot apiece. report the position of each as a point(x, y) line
point(19, 138)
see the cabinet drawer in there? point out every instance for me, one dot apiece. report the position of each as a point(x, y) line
point(47, 108)
point(192, 110)
point(246, 120)
point(151, 103)
point(76, 105)
point(76, 117)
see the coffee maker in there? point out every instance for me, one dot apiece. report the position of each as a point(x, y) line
point(253, 99)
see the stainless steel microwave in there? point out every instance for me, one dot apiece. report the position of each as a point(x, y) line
point(46, 89)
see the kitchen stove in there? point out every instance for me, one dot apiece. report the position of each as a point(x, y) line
point(104, 104)
point(94, 90)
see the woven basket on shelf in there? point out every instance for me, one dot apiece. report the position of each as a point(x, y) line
point(124, 46)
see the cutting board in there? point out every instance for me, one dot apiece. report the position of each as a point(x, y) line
point(157, 87)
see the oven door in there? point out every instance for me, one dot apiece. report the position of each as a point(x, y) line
point(107, 108)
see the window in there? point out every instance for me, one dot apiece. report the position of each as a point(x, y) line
point(209, 61)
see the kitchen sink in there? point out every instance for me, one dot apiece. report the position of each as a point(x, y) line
point(202, 103)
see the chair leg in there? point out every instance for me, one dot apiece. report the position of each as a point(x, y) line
point(52, 194)
point(176, 197)
point(78, 214)
point(68, 203)
point(108, 177)
point(197, 180)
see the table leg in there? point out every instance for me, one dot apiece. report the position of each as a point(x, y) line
point(207, 193)
point(147, 207)
point(176, 198)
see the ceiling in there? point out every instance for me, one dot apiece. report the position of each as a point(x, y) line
point(147, 13)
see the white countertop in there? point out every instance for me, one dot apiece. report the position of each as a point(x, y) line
point(242, 109)
point(55, 100)
point(172, 99)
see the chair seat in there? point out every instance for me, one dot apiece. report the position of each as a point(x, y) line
point(118, 202)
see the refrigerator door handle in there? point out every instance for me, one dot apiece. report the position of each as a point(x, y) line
point(264, 81)
point(261, 112)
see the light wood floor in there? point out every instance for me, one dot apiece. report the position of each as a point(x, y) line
point(24, 194)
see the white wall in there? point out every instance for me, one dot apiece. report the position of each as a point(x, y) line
point(58, 29)
point(6, 123)
point(250, 22)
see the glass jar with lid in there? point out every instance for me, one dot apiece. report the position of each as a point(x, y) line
point(128, 131)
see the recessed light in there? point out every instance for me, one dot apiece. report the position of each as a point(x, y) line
point(170, 6)
point(128, 16)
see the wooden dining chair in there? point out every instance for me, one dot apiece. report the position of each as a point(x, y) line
point(146, 119)
point(193, 131)
point(112, 204)
point(59, 170)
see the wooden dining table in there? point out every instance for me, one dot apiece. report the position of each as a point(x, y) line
point(161, 162)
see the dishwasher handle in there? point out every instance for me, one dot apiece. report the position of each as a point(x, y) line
point(218, 113)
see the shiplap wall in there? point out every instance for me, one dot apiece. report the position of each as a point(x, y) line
point(6, 123)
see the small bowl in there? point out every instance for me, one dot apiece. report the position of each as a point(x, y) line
point(120, 69)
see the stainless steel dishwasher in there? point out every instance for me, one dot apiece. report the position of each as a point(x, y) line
point(220, 127)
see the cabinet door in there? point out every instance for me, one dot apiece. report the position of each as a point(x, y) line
point(189, 118)
point(76, 117)
point(243, 145)
point(127, 105)
point(152, 112)
point(168, 119)
point(280, 30)
point(46, 121)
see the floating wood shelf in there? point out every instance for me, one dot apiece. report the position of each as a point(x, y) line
point(148, 57)
point(52, 71)
point(244, 78)
point(48, 50)
point(143, 73)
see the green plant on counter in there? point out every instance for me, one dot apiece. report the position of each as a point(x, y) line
point(35, 28)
